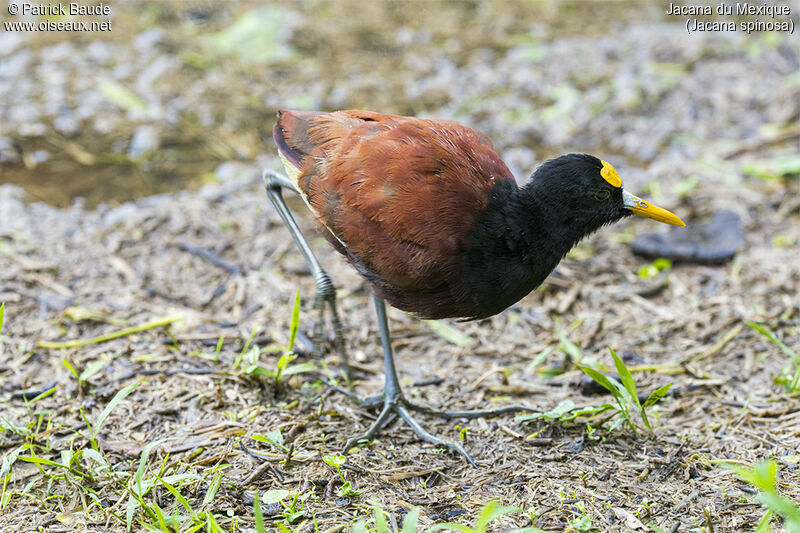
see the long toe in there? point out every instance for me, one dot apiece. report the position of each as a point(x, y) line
point(471, 413)
point(369, 434)
point(400, 407)
point(423, 434)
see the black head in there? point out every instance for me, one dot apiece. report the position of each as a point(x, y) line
point(582, 190)
point(581, 193)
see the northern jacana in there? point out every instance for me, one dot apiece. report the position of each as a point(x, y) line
point(430, 215)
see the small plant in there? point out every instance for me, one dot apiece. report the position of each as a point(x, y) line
point(94, 429)
point(141, 485)
point(763, 477)
point(624, 393)
point(284, 367)
point(337, 461)
point(292, 503)
point(89, 371)
point(582, 521)
point(213, 357)
point(653, 269)
point(274, 437)
point(790, 378)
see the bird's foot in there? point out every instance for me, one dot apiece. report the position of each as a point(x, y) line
point(400, 406)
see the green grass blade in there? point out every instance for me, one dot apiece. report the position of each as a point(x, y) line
point(109, 336)
point(178, 496)
point(556, 413)
point(200, 526)
point(656, 395)
point(449, 333)
point(772, 168)
point(618, 391)
point(410, 521)
point(69, 366)
point(121, 395)
point(213, 488)
point(220, 342)
point(41, 461)
point(380, 520)
point(274, 437)
point(299, 368)
point(491, 511)
point(645, 419)
point(45, 394)
point(275, 495)
point(213, 526)
point(761, 476)
point(625, 377)
point(258, 515)
point(295, 324)
point(780, 505)
point(764, 525)
point(96, 456)
point(334, 460)
point(772, 338)
point(600, 378)
point(359, 527)
point(7, 424)
point(95, 366)
point(2, 315)
point(160, 517)
point(121, 96)
point(249, 341)
point(653, 398)
point(130, 509)
point(567, 346)
point(143, 463)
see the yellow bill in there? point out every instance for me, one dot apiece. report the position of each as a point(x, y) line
point(643, 208)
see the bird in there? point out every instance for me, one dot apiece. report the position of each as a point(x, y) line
point(428, 213)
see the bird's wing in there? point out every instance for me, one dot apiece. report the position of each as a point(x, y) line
point(400, 193)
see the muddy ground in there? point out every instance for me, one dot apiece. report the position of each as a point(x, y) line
point(696, 122)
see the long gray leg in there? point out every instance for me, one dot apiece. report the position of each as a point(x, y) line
point(393, 400)
point(326, 292)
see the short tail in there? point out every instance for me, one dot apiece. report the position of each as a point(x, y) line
point(291, 134)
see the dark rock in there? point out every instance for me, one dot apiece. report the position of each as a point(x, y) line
point(709, 244)
point(575, 446)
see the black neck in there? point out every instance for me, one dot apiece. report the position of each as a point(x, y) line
point(518, 240)
point(546, 215)
point(533, 223)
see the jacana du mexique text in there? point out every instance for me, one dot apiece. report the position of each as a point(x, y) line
point(742, 8)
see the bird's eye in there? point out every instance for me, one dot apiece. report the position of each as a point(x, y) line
point(602, 195)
